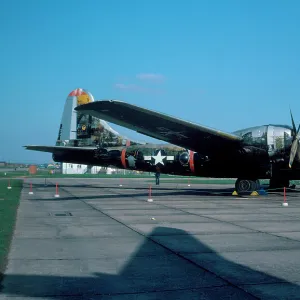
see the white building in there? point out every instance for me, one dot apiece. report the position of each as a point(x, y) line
point(68, 168)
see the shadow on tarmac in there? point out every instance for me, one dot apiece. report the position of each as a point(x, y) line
point(161, 192)
point(173, 275)
point(156, 192)
point(124, 186)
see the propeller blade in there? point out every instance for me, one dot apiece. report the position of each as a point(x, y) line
point(298, 129)
point(293, 151)
point(294, 126)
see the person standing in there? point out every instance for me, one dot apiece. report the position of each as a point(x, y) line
point(157, 175)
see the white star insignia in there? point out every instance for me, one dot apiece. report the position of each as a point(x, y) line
point(159, 158)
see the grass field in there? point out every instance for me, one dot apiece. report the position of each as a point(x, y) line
point(9, 202)
point(44, 173)
point(166, 178)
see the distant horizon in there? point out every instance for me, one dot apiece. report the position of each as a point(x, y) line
point(29, 163)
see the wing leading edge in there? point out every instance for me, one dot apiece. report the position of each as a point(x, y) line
point(186, 134)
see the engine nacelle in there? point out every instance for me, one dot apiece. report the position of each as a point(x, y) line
point(184, 158)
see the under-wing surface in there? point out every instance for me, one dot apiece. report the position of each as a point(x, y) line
point(163, 127)
point(260, 152)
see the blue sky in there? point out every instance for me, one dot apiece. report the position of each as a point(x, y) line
point(223, 64)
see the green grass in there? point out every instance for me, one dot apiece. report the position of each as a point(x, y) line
point(45, 173)
point(9, 202)
point(12, 173)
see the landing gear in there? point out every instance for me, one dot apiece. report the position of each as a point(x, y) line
point(276, 183)
point(247, 185)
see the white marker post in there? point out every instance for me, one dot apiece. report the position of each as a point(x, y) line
point(56, 191)
point(30, 190)
point(284, 198)
point(149, 197)
point(9, 186)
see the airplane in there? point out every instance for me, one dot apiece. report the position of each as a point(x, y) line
point(249, 155)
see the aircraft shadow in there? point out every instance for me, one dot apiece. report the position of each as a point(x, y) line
point(116, 186)
point(164, 274)
point(159, 191)
point(125, 185)
point(161, 187)
point(155, 193)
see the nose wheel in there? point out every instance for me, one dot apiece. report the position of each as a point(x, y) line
point(247, 185)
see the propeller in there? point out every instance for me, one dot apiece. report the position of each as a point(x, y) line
point(295, 143)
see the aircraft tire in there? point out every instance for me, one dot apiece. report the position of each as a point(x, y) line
point(246, 185)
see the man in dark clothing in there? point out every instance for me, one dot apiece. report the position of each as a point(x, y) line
point(157, 175)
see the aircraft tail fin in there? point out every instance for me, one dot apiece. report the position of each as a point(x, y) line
point(80, 129)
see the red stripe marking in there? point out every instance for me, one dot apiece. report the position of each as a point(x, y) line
point(123, 158)
point(192, 166)
point(77, 92)
point(72, 93)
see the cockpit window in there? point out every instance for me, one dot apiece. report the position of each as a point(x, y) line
point(247, 137)
point(287, 139)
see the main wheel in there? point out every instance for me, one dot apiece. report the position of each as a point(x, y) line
point(246, 185)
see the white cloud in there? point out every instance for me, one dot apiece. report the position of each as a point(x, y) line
point(136, 88)
point(151, 77)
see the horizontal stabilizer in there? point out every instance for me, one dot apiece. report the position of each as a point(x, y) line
point(57, 149)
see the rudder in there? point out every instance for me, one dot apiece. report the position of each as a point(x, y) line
point(78, 129)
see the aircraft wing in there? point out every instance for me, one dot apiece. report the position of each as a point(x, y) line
point(189, 135)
